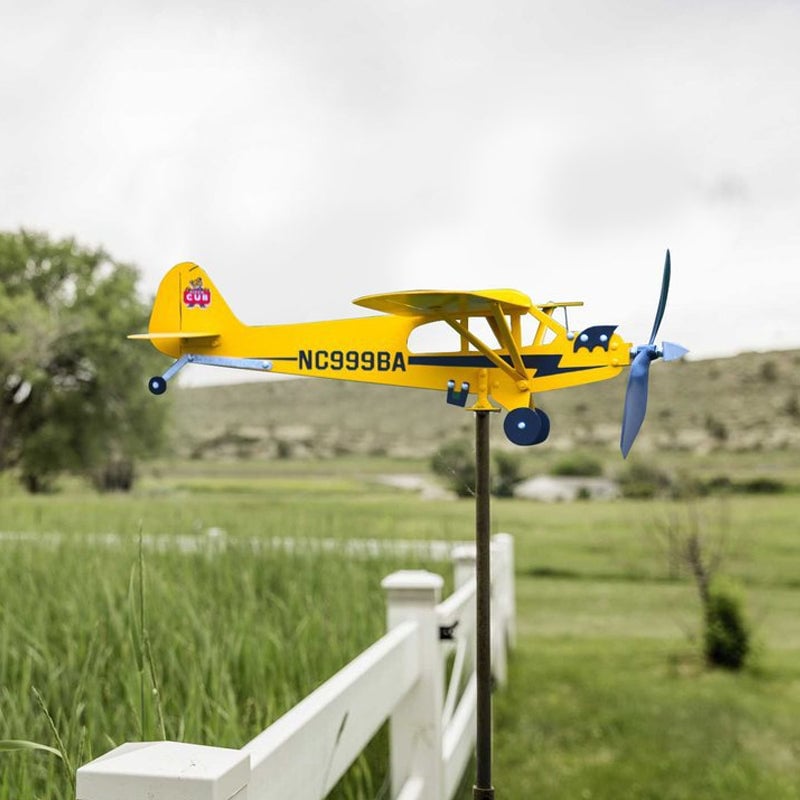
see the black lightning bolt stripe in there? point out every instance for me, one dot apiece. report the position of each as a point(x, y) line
point(545, 365)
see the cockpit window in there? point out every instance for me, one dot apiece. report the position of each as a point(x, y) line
point(439, 337)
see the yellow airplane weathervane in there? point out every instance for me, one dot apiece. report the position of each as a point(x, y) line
point(192, 323)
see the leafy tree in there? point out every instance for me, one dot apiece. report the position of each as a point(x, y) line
point(690, 545)
point(72, 394)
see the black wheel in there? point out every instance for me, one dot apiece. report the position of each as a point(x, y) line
point(157, 385)
point(544, 431)
point(523, 426)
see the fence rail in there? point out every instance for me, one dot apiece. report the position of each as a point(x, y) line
point(400, 678)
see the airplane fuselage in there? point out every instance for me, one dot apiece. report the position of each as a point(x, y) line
point(375, 350)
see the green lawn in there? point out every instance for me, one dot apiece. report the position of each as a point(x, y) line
point(607, 695)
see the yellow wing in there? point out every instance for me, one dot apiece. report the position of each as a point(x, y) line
point(441, 304)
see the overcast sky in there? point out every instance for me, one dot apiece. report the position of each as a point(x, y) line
point(308, 153)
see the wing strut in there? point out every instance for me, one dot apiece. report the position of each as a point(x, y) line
point(517, 372)
point(507, 340)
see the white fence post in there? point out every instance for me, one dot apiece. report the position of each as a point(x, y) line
point(505, 544)
point(165, 771)
point(415, 727)
point(463, 563)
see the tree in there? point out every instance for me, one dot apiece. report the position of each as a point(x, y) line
point(688, 545)
point(72, 394)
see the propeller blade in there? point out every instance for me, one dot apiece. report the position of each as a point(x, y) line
point(635, 399)
point(662, 300)
point(672, 352)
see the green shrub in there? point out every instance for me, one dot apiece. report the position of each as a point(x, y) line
point(768, 372)
point(507, 473)
point(763, 486)
point(641, 480)
point(726, 636)
point(455, 462)
point(685, 486)
point(720, 483)
point(716, 428)
point(578, 465)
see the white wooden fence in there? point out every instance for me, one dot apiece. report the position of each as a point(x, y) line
point(401, 677)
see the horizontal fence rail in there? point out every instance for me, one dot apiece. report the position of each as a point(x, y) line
point(217, 540)
point(400, 678)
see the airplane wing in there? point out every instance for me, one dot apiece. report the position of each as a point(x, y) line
point(441, 304)
point(174, 335)
point(454, 307)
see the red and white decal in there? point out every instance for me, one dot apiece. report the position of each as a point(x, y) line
point(195, 295)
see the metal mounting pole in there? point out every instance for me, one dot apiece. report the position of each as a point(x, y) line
point(483, 790)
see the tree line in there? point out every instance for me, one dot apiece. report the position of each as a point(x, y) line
point(72, 388)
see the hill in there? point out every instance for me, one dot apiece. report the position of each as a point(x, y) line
point(748, 403)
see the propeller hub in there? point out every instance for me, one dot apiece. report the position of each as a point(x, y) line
point(652, 351)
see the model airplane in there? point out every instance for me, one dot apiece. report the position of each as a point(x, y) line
point(192, 323)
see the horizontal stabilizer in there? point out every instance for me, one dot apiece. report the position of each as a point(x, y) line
point(174, 335)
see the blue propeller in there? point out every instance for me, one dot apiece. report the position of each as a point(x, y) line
point(636, 393)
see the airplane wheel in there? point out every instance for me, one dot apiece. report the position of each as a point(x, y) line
point(544, 431)
point(157, 385)
point(523, 426)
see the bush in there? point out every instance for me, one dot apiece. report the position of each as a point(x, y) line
point(641, 480)
point(763, 486)
point(686, 486)
point(727, 636)
point(716, 428)
point(455, 461)
point(115, 476)
point(720, 483)
point(578, 465)
point(768, 372)
point(507, 473)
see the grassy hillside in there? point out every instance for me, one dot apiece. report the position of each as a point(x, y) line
point(744, 404)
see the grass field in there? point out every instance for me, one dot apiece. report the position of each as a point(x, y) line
point(607, 696)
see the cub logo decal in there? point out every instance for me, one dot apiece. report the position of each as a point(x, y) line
point(195, 295)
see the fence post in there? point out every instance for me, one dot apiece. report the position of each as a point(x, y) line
point(463, 564)
point(415, 727)
point(165, 771)
point(505, 543)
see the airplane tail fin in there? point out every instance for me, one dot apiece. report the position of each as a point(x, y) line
point(187, 306)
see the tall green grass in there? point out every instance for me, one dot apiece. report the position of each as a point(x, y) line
point(216, 647)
